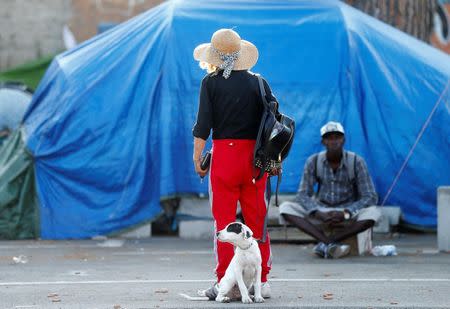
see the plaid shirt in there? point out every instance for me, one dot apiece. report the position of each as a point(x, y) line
point(335, 188)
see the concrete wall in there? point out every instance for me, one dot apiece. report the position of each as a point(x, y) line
point(30, 29)
point(87, 14)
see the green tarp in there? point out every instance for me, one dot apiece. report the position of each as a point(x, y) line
point(30, 73)
point(18, 200)
point(19, 212)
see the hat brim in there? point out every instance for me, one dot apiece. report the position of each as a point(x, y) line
point(247, 59)
point(330, 132)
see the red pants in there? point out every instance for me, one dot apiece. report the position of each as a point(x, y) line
point(231, 176)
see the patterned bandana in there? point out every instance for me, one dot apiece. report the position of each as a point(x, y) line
point(228, 61)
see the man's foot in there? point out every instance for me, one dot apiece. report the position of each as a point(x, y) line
point(211, 293)
point(320, 250)
point(265, 290)
point(331, 251)
point(337, 251)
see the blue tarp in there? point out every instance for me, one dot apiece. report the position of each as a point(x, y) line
point(110, 124)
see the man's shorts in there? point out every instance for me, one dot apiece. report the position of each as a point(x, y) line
point(295, 209)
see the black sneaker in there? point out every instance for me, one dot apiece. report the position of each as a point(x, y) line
point(212, 292)
point(320, 250)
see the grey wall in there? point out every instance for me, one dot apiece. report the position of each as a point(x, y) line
point(30, 29)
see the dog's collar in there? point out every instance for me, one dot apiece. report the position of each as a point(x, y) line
point(251, 243)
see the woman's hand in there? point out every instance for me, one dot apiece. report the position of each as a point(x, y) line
point(198, 169)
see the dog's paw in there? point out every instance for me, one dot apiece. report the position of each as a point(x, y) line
point(223, 299)
point(259, 299)
point(246, 300)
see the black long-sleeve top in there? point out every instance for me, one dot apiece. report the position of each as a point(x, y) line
point(231, 107)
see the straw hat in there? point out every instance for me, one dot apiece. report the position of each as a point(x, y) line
point(226, 45)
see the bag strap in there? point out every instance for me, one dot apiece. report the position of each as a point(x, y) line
point(277, 189)
point(261, 127)
point(350, 162)
point(319, 172)
point(351, 170)
point(266, 218)
point(262, 91)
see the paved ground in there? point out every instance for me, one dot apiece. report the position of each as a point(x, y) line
point(152, 273)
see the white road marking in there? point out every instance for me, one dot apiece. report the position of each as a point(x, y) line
point(137, 252)
point(201, 298)
point(59, 246)
point(20, 283)
point(200, 252)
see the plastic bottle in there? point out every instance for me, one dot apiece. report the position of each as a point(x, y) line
point(386, 250)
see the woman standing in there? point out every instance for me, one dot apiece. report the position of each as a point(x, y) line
point(231, 105)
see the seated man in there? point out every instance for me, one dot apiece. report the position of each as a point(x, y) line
point(345, 195)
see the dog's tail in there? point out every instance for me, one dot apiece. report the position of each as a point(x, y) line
point(201, 296)
point(201, 293)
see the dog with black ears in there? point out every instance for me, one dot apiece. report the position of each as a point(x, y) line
point(245, 267)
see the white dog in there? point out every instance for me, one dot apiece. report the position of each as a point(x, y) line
point(245, 267)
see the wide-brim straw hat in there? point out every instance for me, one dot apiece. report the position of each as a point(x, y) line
point(227, 41)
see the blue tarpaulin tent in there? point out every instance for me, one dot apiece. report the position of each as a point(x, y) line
point(109, 127)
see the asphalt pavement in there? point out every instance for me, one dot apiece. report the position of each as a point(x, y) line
point(165, 272)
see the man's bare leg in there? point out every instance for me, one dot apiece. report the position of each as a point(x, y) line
point(307, 227)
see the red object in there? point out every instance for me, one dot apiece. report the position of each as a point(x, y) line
point(231, 180)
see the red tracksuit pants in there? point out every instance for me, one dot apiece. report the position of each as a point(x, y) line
point(231, 180)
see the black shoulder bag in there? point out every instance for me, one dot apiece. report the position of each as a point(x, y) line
point(275, 137)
